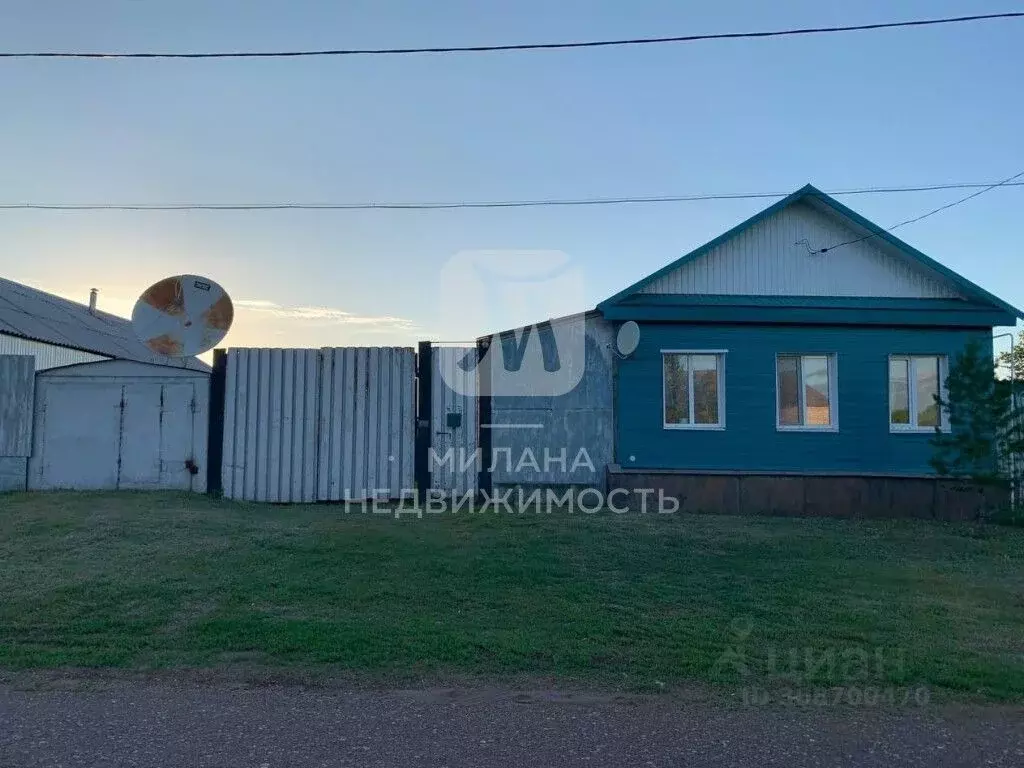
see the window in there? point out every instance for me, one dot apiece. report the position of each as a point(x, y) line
point(805, 386)
point(693, 393)
point(914, 383)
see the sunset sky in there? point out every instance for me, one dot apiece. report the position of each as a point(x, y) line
point(901, 107)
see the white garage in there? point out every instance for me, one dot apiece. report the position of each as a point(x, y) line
point(120, 424)
point(106, 413)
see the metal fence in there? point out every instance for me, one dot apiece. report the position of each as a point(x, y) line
point(17, 387)
point(318, 425)
point(1011, 466)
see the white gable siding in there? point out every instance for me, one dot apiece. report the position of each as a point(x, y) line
point(765, 260)
point(46, 355)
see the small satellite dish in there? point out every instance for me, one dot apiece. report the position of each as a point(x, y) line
point(182, 316)
point(628, 338)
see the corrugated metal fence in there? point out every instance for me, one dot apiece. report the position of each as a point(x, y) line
point(17, 388)
point(1010, 463)
point(318, 425)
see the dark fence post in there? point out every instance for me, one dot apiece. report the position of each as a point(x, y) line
point(484, 384)
point(424, 427)
point(215, 444)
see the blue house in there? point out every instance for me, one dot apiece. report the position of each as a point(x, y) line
point(806, 342)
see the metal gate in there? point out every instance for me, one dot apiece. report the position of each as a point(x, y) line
point(327, 424)
point(454, 459)
point(448, 454)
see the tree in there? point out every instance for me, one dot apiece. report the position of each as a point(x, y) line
point(1013, 360)
point(984, 440)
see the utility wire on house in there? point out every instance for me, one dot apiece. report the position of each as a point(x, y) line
point(518, 46)
point(1008, 182)
point(563, 202)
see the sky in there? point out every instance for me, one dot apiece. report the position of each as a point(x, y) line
point(892, 107)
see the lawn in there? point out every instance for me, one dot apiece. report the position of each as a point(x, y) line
point(159, 581)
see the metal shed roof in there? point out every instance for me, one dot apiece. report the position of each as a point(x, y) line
point(34, 314)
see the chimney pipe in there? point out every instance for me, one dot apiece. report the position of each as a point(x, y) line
point(93, 293)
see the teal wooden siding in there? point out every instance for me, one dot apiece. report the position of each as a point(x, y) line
point(750, 440)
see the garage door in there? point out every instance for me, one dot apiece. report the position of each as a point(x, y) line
point(113, 435)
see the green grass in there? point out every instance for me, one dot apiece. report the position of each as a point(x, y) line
point(164, 581)
point(1009, 516)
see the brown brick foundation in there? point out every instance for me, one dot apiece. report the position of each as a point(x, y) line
point(846, 496)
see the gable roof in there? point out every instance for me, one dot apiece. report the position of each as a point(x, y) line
point(816, 197)
point(33, 314)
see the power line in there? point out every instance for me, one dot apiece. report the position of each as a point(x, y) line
point(554, 202)
point(1008, 182)
point(515, 46)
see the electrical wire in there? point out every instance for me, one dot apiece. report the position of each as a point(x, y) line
point(1008, 182)
point(515, 46)
point(430, 206)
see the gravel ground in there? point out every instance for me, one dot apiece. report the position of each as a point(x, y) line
point(147, 723)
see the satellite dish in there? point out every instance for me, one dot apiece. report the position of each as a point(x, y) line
point(182, 316)
point(628, 338)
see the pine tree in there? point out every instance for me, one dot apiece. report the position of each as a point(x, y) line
point(984, 439)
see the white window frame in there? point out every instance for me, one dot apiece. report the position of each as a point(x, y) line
point(912, 427)
point(833, 395)
point(720, 367)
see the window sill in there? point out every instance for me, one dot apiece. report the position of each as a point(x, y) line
point(901, 430)
point(696, 427)
point(781, 428)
